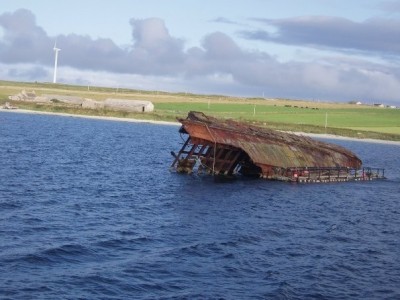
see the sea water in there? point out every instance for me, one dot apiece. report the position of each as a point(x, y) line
point(90, 210)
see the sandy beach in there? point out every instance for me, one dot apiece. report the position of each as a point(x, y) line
point(313, 135)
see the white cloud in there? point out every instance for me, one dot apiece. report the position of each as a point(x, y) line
point(377, 36)
point(158, 61)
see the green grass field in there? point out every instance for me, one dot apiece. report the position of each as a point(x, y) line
point(355, 118)
point(340, 118)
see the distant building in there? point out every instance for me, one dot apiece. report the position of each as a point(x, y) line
point(129, 105)
point(120, 105)
point(113, 104)
point(355, 102)
point(379, 105)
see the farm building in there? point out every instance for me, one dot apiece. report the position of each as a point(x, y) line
point(129, 105)
point(379, 105)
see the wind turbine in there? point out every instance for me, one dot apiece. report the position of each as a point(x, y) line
point(55, 61)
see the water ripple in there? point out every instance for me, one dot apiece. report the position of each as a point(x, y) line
point(89, 210)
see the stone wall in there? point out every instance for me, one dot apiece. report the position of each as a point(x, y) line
point(110, 103)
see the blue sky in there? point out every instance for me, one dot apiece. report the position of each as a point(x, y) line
point(325, 50)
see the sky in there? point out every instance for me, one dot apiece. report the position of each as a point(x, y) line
point(319, 50)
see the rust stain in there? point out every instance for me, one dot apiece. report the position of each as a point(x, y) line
point(226, 147)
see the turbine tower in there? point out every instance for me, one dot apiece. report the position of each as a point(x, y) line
point(55, 61)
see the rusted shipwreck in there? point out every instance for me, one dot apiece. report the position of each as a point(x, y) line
point(227, 147)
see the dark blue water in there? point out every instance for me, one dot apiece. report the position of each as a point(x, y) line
point(90, 210)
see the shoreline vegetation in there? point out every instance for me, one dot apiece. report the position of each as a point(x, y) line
point(312, 118)
point(170, 123)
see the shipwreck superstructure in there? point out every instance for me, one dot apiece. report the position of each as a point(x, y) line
point(227, 147)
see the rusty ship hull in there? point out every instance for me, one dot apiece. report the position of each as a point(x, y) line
point(227, 147)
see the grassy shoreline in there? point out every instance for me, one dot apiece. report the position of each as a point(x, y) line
point(171, 117)
point(338, 119)
point(175, 123)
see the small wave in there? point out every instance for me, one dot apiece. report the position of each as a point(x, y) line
point(331, 228)
point(68, 252)
point(35, 259)
point(96, 286)
point(273, 233)
point(201, 249)
point(229, 256)
point(124, 243)
point(284, 291)
point(10, 205)
point(242, 240)
point(64, 253)
point(250, 239)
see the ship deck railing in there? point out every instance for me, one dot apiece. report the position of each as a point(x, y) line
point(323, 174)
